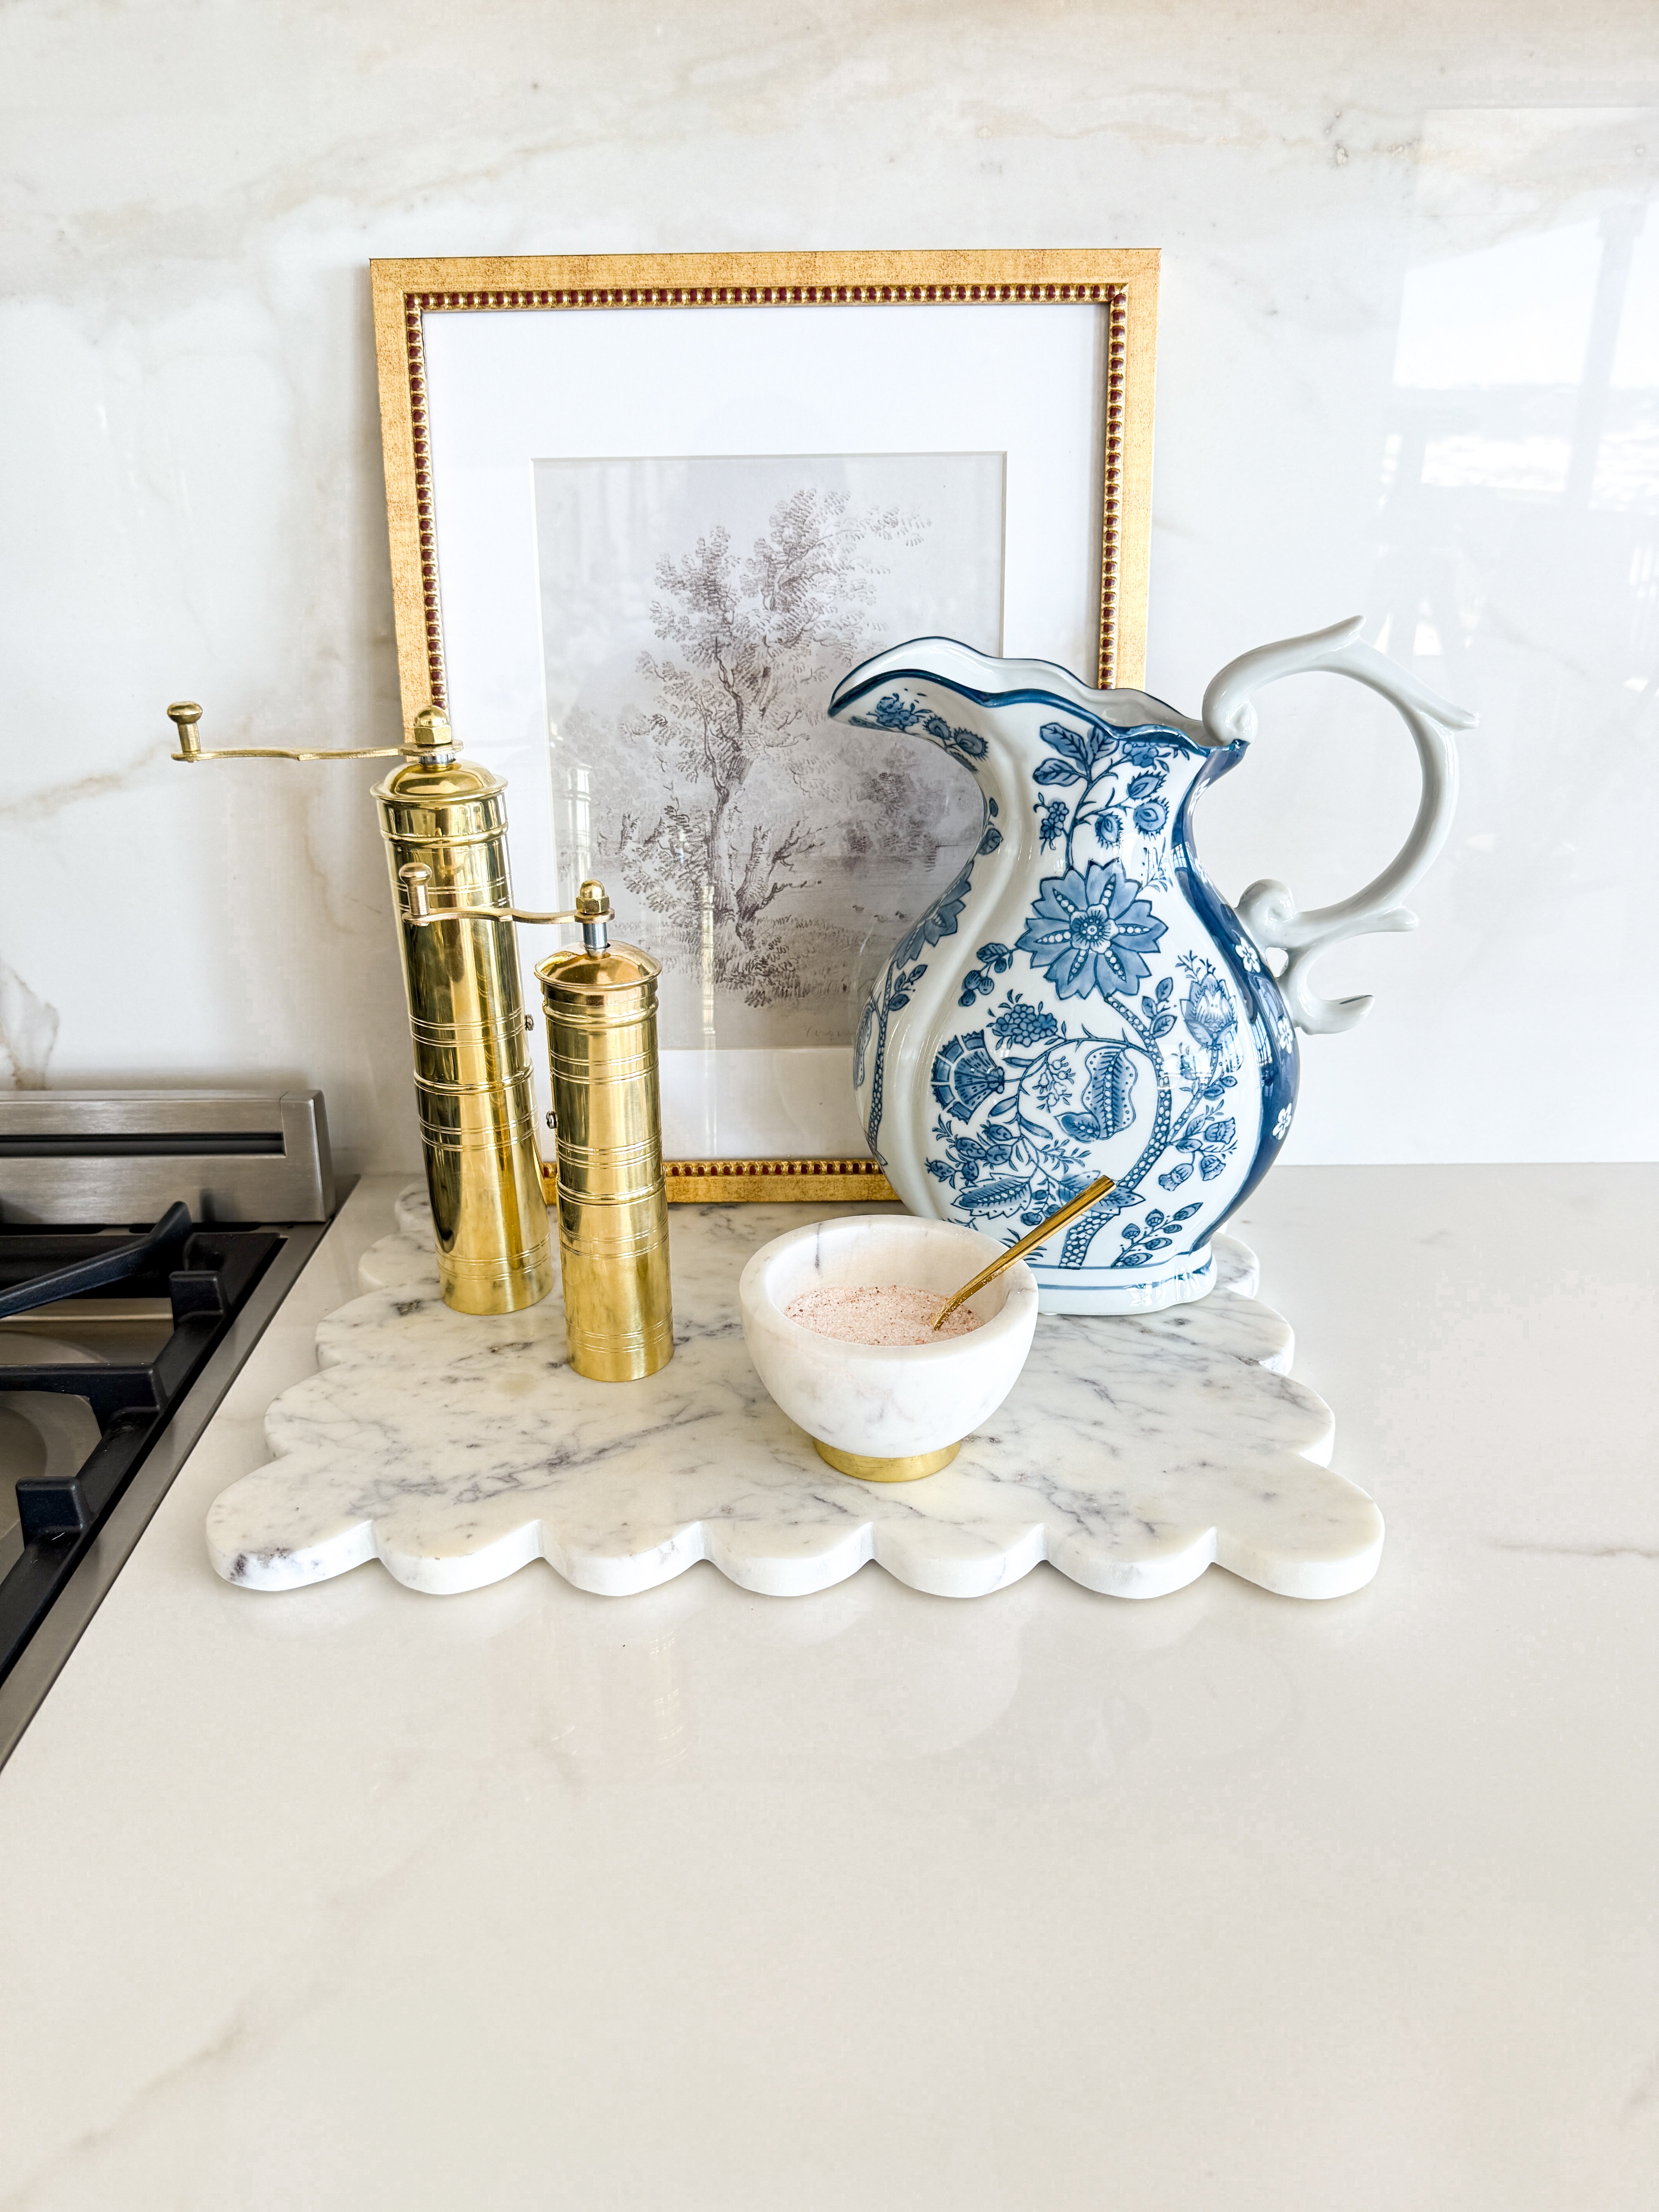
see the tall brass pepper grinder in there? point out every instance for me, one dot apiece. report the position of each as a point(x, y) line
point(445, 824)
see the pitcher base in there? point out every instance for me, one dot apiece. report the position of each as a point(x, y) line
point(1182, 1278)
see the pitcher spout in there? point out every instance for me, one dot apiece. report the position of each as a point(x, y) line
point(981, 687)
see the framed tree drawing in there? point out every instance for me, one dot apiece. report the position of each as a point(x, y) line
point(645, 510)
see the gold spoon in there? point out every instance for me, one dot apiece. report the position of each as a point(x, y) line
point(1040, 1235)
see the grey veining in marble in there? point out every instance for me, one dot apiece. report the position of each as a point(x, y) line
point(1134, 1452)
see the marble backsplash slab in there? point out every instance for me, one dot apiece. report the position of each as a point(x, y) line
point(1409, 364)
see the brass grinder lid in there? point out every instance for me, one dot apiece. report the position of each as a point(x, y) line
point(587, 973)
point(579, 973)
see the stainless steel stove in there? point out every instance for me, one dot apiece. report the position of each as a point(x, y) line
point(146, 1240)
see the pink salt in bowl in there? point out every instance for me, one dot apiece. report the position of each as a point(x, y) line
point(886, 1412)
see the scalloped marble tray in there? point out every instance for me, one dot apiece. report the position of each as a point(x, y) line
point(1134, 1452)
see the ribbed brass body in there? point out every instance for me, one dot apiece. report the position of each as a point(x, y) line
point(467, 1019)
point(601, 1011)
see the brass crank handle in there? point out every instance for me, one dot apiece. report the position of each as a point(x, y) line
point(184, 714)
point(419, 911)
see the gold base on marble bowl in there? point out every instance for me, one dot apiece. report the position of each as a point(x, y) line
point(887, 1470)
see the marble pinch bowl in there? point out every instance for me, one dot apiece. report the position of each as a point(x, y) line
point(886, 1412)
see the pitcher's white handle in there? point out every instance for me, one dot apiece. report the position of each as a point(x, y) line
point(1267, 910)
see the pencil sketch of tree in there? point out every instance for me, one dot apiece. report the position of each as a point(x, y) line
point(751, 642)
point(696, 614)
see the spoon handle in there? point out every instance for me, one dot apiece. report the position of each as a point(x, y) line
point(1040, 1235)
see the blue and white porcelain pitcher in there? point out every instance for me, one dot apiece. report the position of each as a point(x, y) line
point(1081, 1001)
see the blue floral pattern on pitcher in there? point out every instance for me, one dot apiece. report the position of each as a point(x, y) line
point(1115, 1019)
point(1077, 1034)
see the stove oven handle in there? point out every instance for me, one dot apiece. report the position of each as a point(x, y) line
point(173, 1228)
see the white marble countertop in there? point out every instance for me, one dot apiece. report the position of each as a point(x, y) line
point(350, 1898)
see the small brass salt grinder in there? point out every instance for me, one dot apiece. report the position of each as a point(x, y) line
point(601, 1008)
point(444, 821)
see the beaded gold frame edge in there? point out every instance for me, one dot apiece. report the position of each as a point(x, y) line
point(1121, 280)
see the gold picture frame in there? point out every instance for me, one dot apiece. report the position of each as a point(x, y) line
point(1121, 282)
